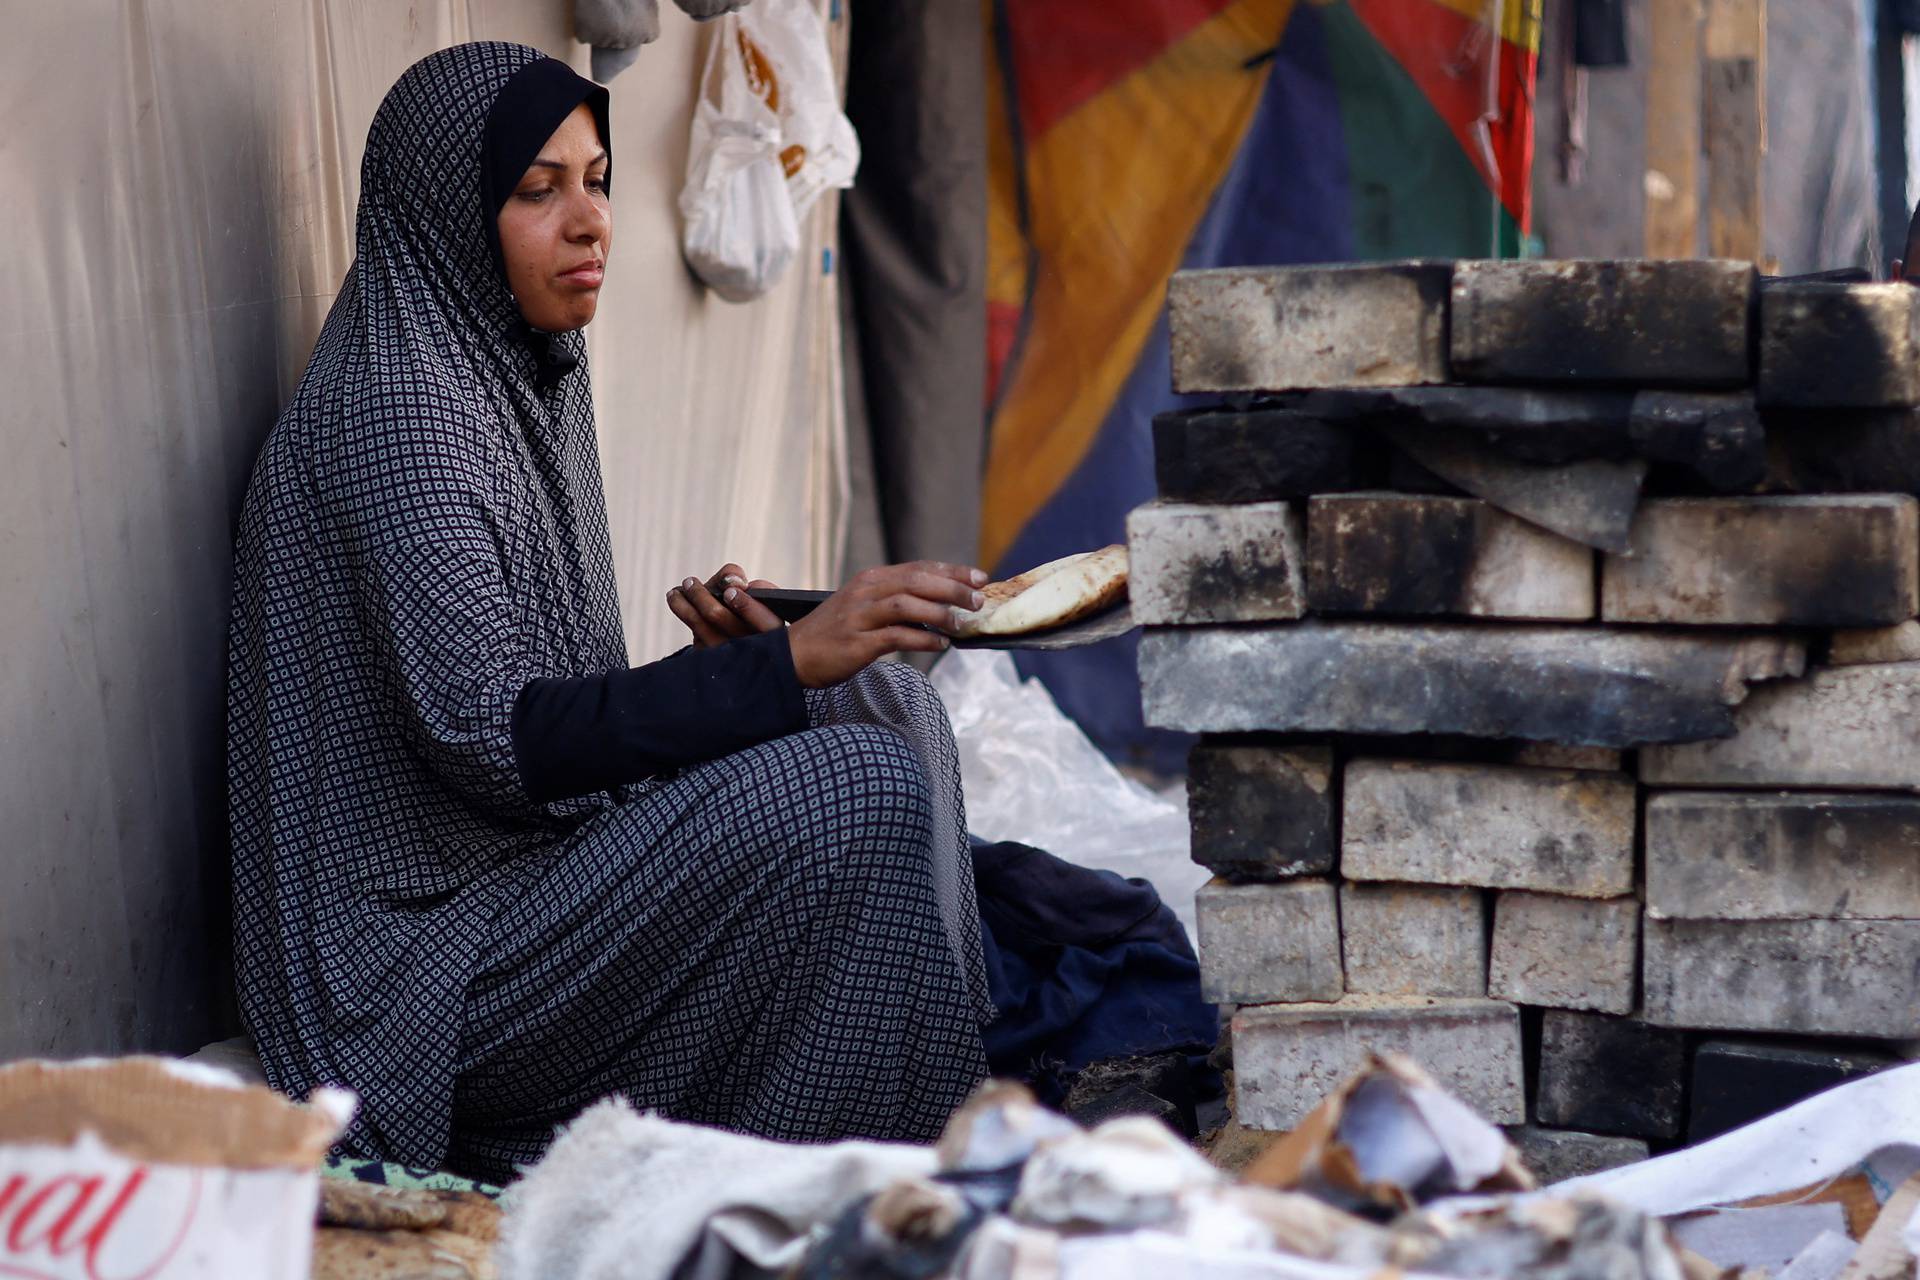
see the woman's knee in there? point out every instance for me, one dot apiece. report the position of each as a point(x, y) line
point(865, 785)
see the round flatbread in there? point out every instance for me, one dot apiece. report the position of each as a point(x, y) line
point(1055, 594)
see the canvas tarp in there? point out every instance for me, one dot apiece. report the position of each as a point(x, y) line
point(177, 188)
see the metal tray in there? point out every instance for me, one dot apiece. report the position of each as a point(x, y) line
point(791, 606)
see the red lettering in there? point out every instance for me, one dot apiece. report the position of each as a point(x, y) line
point(17, 1237)
point(104, 1228)
point(57, 1241)
point(29, 1231)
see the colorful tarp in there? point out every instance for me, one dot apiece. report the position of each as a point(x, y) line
point(1131, 138)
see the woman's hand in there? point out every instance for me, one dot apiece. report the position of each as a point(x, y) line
point(879, 612)
point(719, 609)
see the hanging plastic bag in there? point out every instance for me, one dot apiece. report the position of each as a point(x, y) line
point(794, 70)
point(768, 137)
point(740, 231)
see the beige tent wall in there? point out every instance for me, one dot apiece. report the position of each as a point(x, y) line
point(177, 183)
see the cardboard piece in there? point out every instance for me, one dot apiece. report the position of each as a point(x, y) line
point(1886, 1252)
point(157, 1169)
point(1824, 1258)
point(1390, 1137)
point(1853, 1193)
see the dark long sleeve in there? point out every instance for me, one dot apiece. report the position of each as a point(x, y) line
point(583, 734)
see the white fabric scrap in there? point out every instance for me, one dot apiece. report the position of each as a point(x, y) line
point(1766, 1238)
point(1813, 1141)
point(626, 1196)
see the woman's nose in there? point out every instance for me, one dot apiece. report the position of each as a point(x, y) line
point(588, 218)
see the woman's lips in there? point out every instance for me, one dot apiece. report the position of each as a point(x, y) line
point(587, 277)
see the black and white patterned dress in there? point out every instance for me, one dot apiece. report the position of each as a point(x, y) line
point(783, 940)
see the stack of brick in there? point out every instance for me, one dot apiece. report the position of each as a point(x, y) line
point(1550, 629)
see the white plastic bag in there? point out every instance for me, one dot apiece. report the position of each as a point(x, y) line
point(818, 149)
point(1031, 775)
point(768, 136)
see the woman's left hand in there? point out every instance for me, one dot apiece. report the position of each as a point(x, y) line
point(719, 609)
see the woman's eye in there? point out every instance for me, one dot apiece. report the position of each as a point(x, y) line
point(597, 184)
point(533, 197)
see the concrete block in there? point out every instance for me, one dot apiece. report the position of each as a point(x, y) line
point(1843, 450)
point(1554, 830)
point(1264, 455)
point(1260, 812)
point(1852, 345)
point(1261, 942)
point(1555, 1155)
point(1191, 564)
point(1716, 855)
point(1566, 953)
point(1406, 940)
point(1827, 561)
point(1612, 1075)
point(1816, 977)
point(1868, 646)
point(1551, 755)
point(1852, 727)
point(1736, 1082)
point(1573, 685)
point(1376, 324)
point(1718, 436)
point(1391, 553)
point(1287, 1058)
point(1674, 323)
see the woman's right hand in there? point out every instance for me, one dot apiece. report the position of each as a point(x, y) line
point(881, 611)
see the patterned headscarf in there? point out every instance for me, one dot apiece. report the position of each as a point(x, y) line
point(425, 532)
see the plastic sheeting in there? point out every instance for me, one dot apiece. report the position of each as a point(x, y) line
point(177, 188)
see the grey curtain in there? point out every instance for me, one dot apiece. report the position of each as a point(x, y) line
point(914, 236)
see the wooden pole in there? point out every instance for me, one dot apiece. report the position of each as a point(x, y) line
point(1736, 125)
point(1673, 131)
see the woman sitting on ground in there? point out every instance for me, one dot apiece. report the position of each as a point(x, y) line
point(486, 873)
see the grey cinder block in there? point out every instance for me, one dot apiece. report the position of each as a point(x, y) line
point(1827, 561)
point(1823, 977)
point(1407, 939)
point(1287, 1058)
point(1263, 455)
point(1555, 1155)
point(1408, 554)
point(1566, 953)
point(1613, 1075)
point(1192, 564)
point(1376, 324)
point(1840, 345)
point(1678, 323)
point(1839, 727)
point(1574, 685)
point(1717, 855)
point(1262, 942)
point(1553, 830)
point(1867, 646)
point(1261, 812)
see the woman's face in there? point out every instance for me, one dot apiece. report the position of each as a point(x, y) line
point(557, 227)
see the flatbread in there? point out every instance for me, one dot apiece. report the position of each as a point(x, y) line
point(1055, 594)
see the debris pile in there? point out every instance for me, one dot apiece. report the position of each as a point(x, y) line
point(1389, 1175)
point(1550, 629)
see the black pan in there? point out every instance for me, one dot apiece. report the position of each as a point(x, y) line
point(791, 606)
